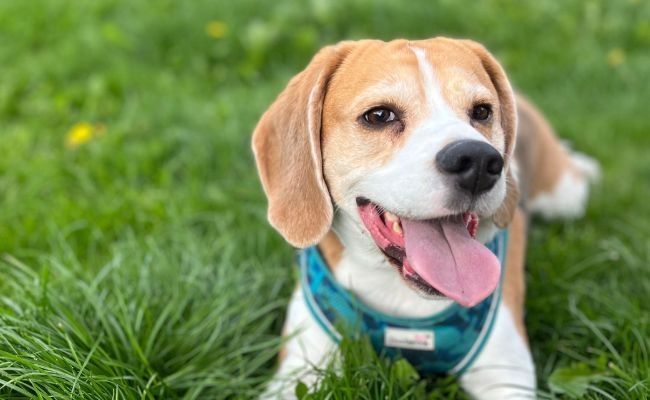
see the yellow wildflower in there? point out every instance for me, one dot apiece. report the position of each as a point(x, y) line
point(81, 133)
point(216, 29)
point(615, 57)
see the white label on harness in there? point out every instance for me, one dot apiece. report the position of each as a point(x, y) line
point(409, 338)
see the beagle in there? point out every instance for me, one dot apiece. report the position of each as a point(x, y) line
point(400, 170)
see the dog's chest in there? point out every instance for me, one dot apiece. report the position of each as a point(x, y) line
point(444, 343)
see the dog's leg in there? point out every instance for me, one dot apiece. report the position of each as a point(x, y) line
point(504, 369)
point(307, 347)
point(555, 180)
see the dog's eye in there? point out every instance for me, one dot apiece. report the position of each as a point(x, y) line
point(481, 112)
point(379, 116)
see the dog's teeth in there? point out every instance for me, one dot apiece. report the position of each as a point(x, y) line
point(389, 216)
point(393, 222)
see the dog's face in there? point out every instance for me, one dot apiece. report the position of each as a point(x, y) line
point(410, 142)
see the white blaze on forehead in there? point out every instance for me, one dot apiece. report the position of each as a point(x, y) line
point(443, 125)
point(432, 91)
point(461, 83)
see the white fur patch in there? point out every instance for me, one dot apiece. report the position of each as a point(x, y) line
point(308, 345)
point(431, 87)
point(587, 166)
point(569, 197)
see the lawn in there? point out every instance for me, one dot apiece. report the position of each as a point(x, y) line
point(135, 257)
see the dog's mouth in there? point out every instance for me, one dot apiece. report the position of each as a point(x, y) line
point(437, 256)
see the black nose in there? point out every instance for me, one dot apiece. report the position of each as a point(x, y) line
point(474, 165)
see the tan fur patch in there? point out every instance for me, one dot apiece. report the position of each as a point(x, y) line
point(514, 286)
point(331, 249)
point(540, 155)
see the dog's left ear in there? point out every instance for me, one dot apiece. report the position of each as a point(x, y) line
point(508, 117)
point(287, 147)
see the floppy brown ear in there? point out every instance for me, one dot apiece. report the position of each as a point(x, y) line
point(287, 148)
point(508, 117)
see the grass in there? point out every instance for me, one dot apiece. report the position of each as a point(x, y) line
point(138, 264)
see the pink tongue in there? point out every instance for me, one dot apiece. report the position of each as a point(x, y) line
point(444, 254)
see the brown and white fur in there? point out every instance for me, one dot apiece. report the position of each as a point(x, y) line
point(318, 149)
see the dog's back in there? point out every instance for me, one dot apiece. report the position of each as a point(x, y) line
point(553, 179)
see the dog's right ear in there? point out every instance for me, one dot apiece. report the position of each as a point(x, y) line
point(287, 148)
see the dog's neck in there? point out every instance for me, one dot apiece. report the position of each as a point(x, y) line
point(359, 266)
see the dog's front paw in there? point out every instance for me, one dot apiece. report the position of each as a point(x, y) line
point(279, 390)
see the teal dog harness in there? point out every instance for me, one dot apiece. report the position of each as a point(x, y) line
point(444, 343)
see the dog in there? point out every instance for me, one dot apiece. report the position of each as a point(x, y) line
point(407, 172)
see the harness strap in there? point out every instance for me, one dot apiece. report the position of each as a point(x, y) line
point(444, 343)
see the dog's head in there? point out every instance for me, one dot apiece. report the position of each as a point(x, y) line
point(410, 142)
